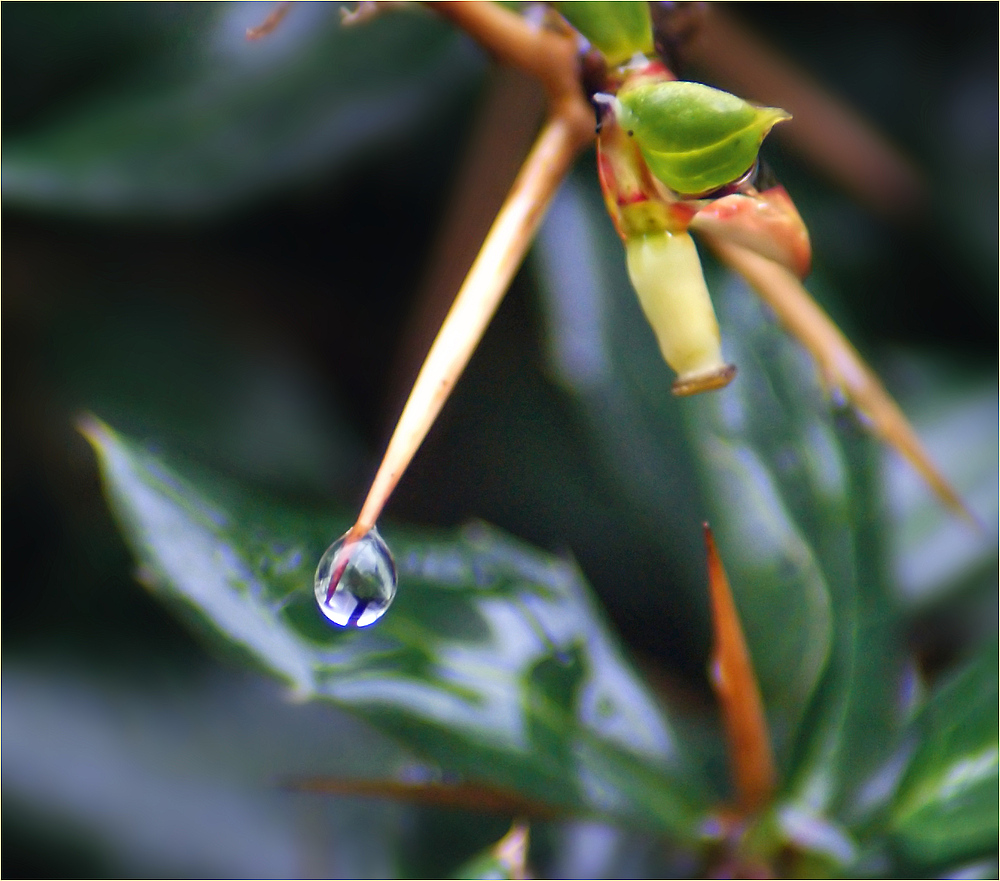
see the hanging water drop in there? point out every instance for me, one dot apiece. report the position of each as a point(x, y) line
point(356, 581)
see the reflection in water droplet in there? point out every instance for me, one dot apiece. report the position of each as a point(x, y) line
point(356, 582)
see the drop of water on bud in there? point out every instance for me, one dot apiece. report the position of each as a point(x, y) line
point(356, 582)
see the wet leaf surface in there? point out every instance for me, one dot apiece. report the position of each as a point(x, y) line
point(494, 660)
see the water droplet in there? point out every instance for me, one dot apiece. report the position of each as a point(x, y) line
point(356, 582)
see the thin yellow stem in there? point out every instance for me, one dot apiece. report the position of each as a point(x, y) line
point(476, 302)
point(512, 114)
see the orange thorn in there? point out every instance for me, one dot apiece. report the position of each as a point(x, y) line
point(735, 686)
point(270, 23)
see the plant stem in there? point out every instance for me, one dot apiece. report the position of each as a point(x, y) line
point(548, 55)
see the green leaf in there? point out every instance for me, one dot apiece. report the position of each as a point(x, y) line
point(494, 661)
point(685, 460)
point(790, 487)
point(216, 119)
point(946, 808)
point(770, 463)
point(765, 460)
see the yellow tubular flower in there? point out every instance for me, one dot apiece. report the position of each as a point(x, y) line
point(666, 274)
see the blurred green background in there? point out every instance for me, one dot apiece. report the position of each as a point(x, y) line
point(216, 245)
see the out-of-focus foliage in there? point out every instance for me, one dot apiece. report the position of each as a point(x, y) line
point(215, 246)
point(946, 807)
point(212, 120)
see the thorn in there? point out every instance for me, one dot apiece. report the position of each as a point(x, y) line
point(735, 685)
point(270, 23)
point(475, 303)
point(512, 849)
point(362, 13)
point(840, 365)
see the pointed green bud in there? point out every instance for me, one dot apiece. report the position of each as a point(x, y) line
point(694, 138)
point(619, 30)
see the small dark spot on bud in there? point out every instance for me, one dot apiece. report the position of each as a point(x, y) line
point(630, 133)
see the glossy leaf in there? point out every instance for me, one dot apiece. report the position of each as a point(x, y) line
point(625, 387)
point(214, 119)
point(813, 464)
point(947, 808)
point(493, 662)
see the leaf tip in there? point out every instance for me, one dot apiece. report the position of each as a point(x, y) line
point(96, 432)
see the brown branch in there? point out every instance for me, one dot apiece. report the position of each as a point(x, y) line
point(547, 55)
point(466, 796)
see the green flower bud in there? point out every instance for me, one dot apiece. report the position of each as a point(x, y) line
point(619, 30)
point(694, 138)
point(666, 274)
